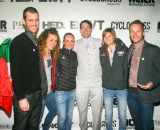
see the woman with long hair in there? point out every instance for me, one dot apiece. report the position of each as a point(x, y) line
point(48, 44)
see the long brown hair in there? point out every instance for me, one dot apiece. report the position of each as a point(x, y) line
point(42, 42)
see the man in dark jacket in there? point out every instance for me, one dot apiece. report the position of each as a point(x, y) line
point(24, 61)
point(144, 78)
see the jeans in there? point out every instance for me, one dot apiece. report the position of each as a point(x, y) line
point(65, 104)
point(142, 113)
point(50, 103)
point(121, 96)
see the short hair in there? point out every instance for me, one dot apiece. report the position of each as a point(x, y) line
point(29, 9)
point(109, 30)
point(86, 21)
point(137, 22)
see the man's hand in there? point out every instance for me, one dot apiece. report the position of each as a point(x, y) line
point(145, 86)
point(24, 104)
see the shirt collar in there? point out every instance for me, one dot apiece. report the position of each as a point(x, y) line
point(87, 39)
point(139, 45)
point(31, 36)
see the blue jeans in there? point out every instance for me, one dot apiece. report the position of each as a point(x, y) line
point(50, 103)
point(65, 104)
point(121, 96)
point(142, 113)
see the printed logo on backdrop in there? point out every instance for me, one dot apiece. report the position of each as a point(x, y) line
point(17, 25)
point(90, 124)
point(97, 24)
point(129, 124)
point(21, 0)
point(53, 125)
point(73, 24)
point(108, 2)
point(141, 2)
point(115, 102)
point(3, 26)
point(41, 1)
point(124, 25)
point(158, 27)
point(55, 24)
point(103, 124)
point(5, 126)
point(69, 1)
point(157, 123)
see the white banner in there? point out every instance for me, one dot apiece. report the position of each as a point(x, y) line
point(66, 15)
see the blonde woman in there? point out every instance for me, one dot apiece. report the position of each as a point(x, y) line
point(113, 57)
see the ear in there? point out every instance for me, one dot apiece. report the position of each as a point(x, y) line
point(23, 22)
point(91, 31)
point(143, 34)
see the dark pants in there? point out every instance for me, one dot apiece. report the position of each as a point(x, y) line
point(27, 120)
point(142, 113)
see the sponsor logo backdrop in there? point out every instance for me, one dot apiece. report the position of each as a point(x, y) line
point(66, 15)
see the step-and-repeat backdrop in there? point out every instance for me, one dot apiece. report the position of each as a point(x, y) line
point(65, 15)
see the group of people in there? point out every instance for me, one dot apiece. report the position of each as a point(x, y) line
point(86, 70)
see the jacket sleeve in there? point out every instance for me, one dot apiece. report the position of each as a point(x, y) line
point(125, 59)
point(54, 71)
point(126, 71)
point(15, 67)
point(44, 83)
point(156, 67)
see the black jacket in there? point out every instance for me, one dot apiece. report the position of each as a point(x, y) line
point(66, 70)
point(24, 62)
point(115, 77)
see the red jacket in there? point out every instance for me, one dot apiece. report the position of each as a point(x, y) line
point(6, 91)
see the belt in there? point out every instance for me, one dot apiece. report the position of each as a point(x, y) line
point(133, 89)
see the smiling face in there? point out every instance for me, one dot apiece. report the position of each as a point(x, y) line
point(136, 33)
point(69, 41)
point(85, 30)
point(109, 39)
point(51, 41)
point(31, 22)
